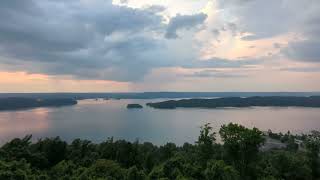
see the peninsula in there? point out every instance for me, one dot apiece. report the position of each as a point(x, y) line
point(15, 103)
point(277, 101)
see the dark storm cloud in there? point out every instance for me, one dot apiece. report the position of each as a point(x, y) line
point(96, 39)
point(71, 38)
point(183, 22)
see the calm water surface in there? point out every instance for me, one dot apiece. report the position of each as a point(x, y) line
point(98, 120)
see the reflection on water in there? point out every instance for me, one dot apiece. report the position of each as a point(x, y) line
point(97, 120)
point(19, 123)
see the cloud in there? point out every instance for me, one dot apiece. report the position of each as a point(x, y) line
point(215, 74)
point(262, 19)
point(90, 39)
point(232, 3)
point(101, 40)
point(79, 38)
point(215, 32)
point(155, 8)
point(301, 69)
point(307, 50)
point(223, 63)
point(183, 22)
point(277, 45)
point(124, 1)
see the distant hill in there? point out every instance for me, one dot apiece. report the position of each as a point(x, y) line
point(154, 95)
point(14, 103)
point(278, 101)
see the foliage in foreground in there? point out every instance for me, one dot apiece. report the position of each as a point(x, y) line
point(237, 158)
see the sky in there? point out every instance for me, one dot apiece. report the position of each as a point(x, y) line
point(159, 45)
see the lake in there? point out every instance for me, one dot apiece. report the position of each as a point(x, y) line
point(98, 120)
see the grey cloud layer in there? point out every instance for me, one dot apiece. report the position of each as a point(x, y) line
point(263, 19)
point(183, 22)
point(99, 40)
point(77, 39)
point(87, 39)
point(307, 49)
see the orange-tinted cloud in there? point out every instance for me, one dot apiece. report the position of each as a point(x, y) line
point(24, 82)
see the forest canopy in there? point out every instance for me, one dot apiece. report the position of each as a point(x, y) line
point(239, 156)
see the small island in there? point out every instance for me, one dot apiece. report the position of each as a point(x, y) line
point(272, 101)
point(134, 106)
point(16, 103)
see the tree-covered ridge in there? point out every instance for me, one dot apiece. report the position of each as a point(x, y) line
point(238, 157)
point(278, 101)
point(14, 103)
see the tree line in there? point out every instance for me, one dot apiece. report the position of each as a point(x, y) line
point(237, 157)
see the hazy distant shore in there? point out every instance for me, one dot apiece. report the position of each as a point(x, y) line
point(154, 95)
point(16, 103)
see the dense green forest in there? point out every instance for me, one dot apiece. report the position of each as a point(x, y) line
point(277, 101)
point(239, 156)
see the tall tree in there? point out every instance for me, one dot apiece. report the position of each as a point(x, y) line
point(205, 142)
point(313, 147)
point(241, 145)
